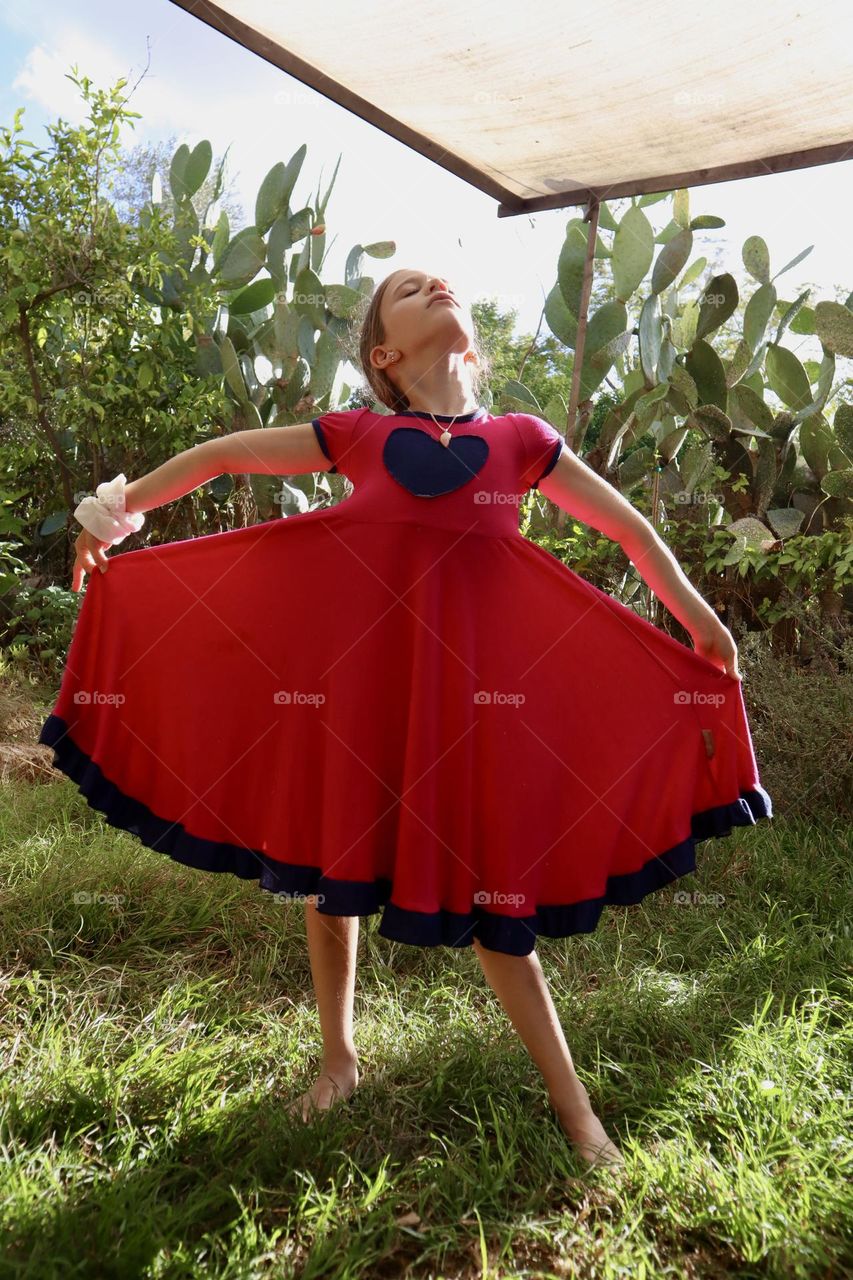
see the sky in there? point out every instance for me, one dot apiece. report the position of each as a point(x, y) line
point(199, 84)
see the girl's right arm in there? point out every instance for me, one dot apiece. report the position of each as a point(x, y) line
point(268, 451)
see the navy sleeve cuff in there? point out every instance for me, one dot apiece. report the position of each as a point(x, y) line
point(558, 449)
point(321, 438)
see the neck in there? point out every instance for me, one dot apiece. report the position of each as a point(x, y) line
point(435, 392)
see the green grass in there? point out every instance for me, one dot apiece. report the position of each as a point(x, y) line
point(150, 1039)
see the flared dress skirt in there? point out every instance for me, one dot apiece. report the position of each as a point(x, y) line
point(402, 705)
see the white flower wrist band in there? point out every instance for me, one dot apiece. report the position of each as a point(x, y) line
point(103, 513)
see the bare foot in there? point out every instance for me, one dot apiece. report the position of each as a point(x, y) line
point(588, 1135)
point(327, 1090)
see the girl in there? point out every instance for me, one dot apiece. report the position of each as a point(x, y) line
point(454, 729)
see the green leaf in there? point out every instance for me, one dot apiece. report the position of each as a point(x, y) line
point(196, 169)
point(604, 325)
point(706, 369)
point(834, 324)
point(787, 267)
point(341, 301)
point(671, 259)
point(243, 258)
point(717, 303)
point(570, 264)
point(177, 170)
point(758, 311)
point(650, 335)
point(693, 272)
point(522, 395)
point(787, 377)
point(748, 412)
point(705, 221)
point(756, 258)
point(272, 199)
point(220, 239)
point(328, 357)
point(838, 484)
point(633, 250)
point(231, 370)
point(559, 318)
point(309, 297)
point(255, 297)
point(52, 523)
point(785, 521)
point(381, 248)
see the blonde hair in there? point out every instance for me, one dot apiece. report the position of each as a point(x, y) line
point(372, 334)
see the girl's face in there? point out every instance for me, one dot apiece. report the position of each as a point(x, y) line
point(419, 322)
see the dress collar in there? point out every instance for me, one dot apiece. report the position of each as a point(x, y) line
point(479, 412)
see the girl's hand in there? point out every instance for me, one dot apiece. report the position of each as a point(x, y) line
point(714, 641)
point(91, 555)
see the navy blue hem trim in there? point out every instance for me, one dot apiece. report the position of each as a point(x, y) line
point(321, 437)
point(443, 417)
point(558, 449)
point(496, 932)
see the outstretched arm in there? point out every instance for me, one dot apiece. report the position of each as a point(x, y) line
point(270, 451)
point(574, 486)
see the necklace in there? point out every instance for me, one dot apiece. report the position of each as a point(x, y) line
point(445, 436)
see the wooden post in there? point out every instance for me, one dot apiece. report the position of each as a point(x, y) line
point(590, 216)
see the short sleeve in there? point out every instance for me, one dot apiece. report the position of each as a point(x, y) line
point(336, 433)
point(542, 445)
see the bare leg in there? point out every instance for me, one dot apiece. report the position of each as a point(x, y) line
point(332, 948)
point(520, 985)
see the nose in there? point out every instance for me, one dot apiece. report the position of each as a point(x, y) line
point(441, 284)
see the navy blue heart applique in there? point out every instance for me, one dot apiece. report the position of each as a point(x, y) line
point(426, 467)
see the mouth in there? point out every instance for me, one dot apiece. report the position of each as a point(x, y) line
point(442, 297)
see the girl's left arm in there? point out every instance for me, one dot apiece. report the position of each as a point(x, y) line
point(574, 486)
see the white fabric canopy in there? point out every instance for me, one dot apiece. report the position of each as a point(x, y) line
point(543, 104)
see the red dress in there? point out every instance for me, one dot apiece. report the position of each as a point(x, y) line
point(401, 704)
